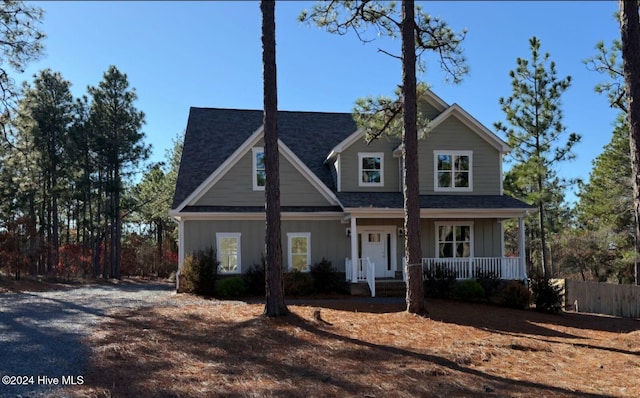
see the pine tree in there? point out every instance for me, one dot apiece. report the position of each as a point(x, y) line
point(535, 132)
point(275, 305)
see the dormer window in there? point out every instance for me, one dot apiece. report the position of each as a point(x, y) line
point(453, 171)
point(259, 171)
point(370, 169)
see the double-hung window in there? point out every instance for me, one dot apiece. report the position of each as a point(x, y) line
point(454, 240)
point(453, 171)
point(259, 174)
point(299, 251)
point(228, 252)
point(371, 169)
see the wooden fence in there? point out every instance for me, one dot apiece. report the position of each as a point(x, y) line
point(603, 298)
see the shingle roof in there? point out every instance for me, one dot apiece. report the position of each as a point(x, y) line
point(394, 200)
point(213, 134)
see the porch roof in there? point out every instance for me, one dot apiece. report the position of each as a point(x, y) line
point(394, 200)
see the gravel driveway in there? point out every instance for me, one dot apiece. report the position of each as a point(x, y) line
point(41, 332)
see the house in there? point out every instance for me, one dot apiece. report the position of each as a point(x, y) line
point(341, 199)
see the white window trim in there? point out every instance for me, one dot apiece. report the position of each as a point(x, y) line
point(437, 188)
point(254, 168)
point(453, 224)
point(290, 236)
point(237, 236)
point(370, 155)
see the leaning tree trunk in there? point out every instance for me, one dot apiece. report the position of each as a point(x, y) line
point(275, 305)
point(413, 254)
point(630, 32)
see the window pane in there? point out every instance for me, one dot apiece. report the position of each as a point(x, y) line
point(228, 254)
point(446, 250)
point(374, 238)
point(445, 233)
point(444, 162)
point(371, 163)
point(463, 233)
point(260, 160)
point(444, 179)
point(370, 176)
point(299, 245)
point(462, 163)
point(463, 250)
point(299, 262)
point(462, 179)
point(261, 178)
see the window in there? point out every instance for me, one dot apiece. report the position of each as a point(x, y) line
point(452, 171)
point(259, 170)
point(454, 240)
point(299, 251)
point(228, 251)
point(371, 169)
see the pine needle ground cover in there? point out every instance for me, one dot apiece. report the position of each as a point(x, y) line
point(194, 347)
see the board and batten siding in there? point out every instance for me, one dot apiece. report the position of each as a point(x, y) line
point(486, 236)
point(235, 188)
point(328, 238)
point(349, 177)
point(454, 135)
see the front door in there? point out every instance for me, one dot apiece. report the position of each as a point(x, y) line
point(375, 246)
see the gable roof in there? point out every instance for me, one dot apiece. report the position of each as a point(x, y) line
point(214, 134)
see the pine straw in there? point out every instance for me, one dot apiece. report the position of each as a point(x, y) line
point(203, 348)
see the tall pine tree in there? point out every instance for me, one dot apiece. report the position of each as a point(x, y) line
point(535, 131)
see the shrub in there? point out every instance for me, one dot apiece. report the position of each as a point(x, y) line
point(490, 282)
point(439, 282)
point(231, 287)
point(468, 290)
point(515, 295)
point(547, 296)
point(298, 283)
point(325, 277)
point(200, 272)
point(254, 279)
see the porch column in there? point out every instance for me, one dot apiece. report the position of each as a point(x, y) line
point(521, 248)
point(180, 253)
point(354, 250)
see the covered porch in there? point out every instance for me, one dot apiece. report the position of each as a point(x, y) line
point(464, 243)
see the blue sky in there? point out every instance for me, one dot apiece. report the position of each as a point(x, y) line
point(208, 54)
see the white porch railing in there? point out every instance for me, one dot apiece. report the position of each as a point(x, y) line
point(364, 270)
point(509, 268)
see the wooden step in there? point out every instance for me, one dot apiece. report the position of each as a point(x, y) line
point(391, 289)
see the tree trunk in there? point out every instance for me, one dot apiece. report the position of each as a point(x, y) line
point(413, 252)
point(275, 305)
point(630, 32)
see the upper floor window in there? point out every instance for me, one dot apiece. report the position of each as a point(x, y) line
point(259, 171)
point(371, 169)
point(453, 171)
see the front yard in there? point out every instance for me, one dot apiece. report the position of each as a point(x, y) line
point(195, 347)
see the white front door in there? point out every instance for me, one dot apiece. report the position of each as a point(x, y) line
point(375, 246)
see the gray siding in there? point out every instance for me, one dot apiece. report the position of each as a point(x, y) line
point(455, 135)
point(328, 238)
point(349, 165)
point(236, 187)
point(429, 111)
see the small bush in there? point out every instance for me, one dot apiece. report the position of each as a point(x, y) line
point(231, 287)
point(469, 290)
point(439, 282)
point(200, 272)
point(254, 279)
point(325, 277)
point(547, 296)
point(490, 282)
point(515, 295)
point(298, 283)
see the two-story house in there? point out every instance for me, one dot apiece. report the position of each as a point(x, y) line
point(341, 198)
